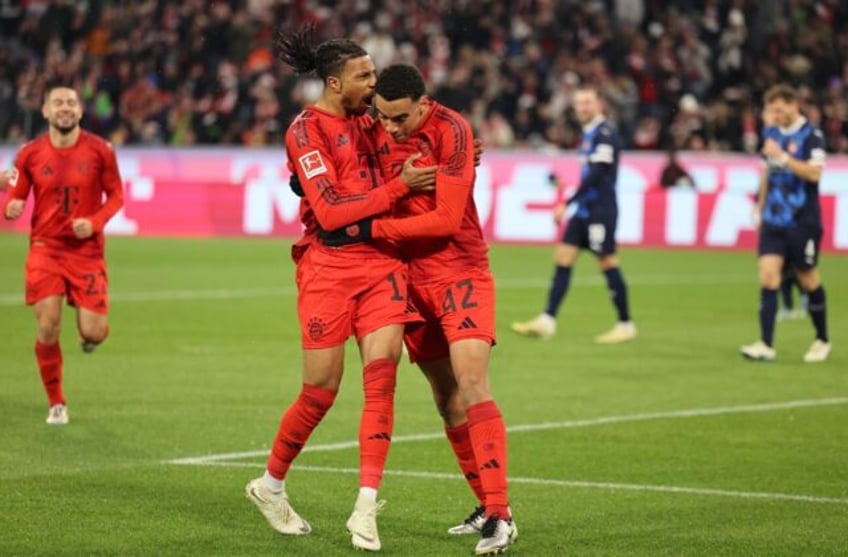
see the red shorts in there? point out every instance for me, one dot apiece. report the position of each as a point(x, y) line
point(54, 272)
point(455, 308)
point(339, 295)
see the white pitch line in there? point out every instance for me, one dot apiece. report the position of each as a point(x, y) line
point(11, 298)
point(611, 486)
point(591, 422)
point(17, 298)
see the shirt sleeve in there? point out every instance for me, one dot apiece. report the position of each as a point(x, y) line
point(311, 159)
point(110, 181)
point(454, 181)
point(816, 154)
point(20, 182)
point(599, 161)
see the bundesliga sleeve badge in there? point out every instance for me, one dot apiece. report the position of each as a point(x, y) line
point(312, 164)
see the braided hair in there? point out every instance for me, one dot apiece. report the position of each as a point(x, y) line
point(295, 49)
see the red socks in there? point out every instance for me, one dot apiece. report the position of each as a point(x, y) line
point(461, 444)
point(487, 433)
point(375, 427)
point(303, 416)
point(49, 358)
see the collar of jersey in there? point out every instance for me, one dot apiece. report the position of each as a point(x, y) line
point(596, 121)
point(799, 123)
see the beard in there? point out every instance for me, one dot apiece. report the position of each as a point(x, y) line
point(62, 128)
point(354, 108)
point(357, 106)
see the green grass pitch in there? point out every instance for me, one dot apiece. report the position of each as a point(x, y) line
point(671, 445)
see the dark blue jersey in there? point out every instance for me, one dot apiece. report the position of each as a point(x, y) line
point(790, 200)
point(599, 153)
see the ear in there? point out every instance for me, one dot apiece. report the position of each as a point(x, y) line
point(424, 103)
point(334, 83)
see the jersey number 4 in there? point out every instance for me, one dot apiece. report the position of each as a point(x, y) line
point(461, 291)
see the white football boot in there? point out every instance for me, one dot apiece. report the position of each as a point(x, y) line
point(542, 326)
point(471, 525)
point(276, 509)
point(362, 524)
point(818, 352)
point(57, 415)
point(621, 332)
point(496, 536)
point(758, 351)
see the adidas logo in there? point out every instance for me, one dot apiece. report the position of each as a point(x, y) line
point(491, 465)
point(382, 435)
point(293, 445)
point(472, 476)
point(342, 140)
point(467, 323)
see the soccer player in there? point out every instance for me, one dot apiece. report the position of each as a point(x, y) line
point(68, 171)
point(789, 219)
point(593, 225)
point(450, 284)
point(356, 290)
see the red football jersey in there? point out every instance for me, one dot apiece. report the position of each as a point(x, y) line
point(67, 184)
point(440, 230)
point(340, 175)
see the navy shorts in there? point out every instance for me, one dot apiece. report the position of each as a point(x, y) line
point(799, 245)
point(596, 234)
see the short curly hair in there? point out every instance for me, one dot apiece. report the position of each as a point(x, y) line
point(400, 81)
point(781, 92)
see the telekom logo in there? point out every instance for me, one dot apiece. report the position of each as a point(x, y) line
point(267, 196)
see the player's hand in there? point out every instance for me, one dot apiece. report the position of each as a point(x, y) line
point(82, 228)
point(418, 177)
point(14, 209)
point(559, 213)
point(294, 184)
point(478, 151)
point(774, 152)
point(756, 218)
point(5, 179)
point(355, 233)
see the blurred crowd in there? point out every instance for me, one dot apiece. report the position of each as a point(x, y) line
point(676, 74)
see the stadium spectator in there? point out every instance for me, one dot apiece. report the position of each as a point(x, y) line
point(512, 58)
point(673, 174)
point(66, 256)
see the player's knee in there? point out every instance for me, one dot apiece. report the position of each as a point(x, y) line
point(473, 389)
point(49, 327)
point(95, 333)
point(809, 280)
point(769, 279)
point(450, 407)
